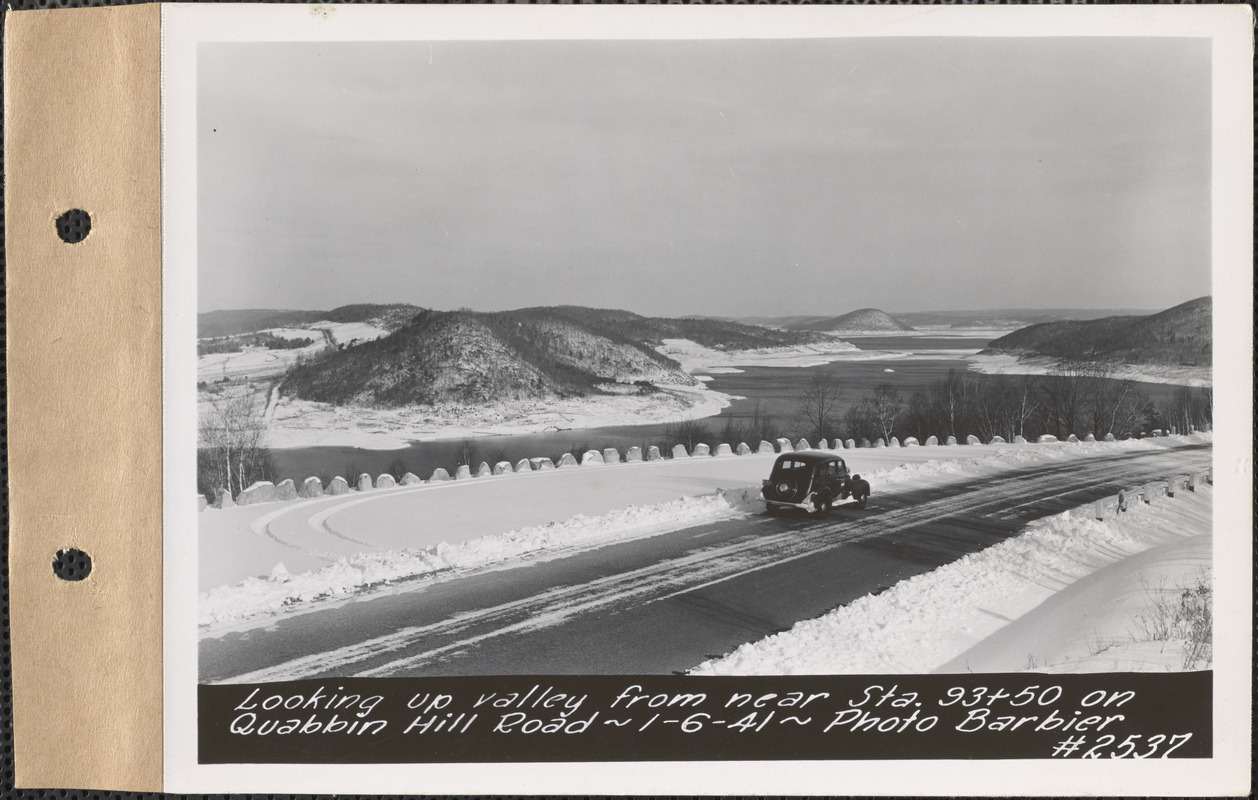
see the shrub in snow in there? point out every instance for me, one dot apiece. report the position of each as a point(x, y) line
point(311, 487)
point(932, 441)
point(202, 503)
point(679, 451)
point(611, 455)
point(702, 449)
point(1089, 438)
point(223, 499)
point(502, 468)
point(784, 446)
point(802, 444)
point(849, 444)
point(260, 492)
point(1019, 440)
point(997, 440)
point(972, 439)
point(765, 447)
point(410, 479)
point(911, 441)
point(653, 454)
point(1046, 438)
point(879, 442)
point(542, 463)
point(1109, 437)
point(567, 460)
point(464, 472)
point(951, 440)
point(439, 474)
point(824, 445)
point(723, 449)
point(591, 457)
point(634, 454)
point(364, 482)
point(1072, 439)
point(864, 443)
point(483, 471)
point(286, 490)
point(339, 485)
point(523, 465)
point(893, 442)
point(385, 481)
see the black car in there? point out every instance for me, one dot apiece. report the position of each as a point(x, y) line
point(812, 481)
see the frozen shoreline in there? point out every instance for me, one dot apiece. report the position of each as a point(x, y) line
point(302, 423)
point(1009, 364)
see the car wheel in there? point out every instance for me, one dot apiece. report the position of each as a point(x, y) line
point(822, 505)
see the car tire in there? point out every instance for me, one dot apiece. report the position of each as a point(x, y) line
point(821, 506)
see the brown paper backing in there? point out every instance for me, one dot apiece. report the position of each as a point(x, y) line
point(82, 130)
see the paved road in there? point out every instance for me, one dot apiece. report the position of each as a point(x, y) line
point(666, 603)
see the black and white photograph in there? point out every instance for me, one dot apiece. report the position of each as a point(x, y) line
point(704, 357)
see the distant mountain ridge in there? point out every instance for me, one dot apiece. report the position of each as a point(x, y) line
point(998, 318)
point(532, 353)
point(230, 322)
point(1012, 317)
point(862, 319)
point(1177, 336)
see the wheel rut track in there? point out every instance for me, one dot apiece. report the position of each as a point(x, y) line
point(761, 543)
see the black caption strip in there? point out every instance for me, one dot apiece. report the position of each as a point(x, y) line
point(674, 718)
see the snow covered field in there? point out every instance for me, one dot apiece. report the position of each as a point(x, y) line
point(268, 558)
point(255, 363)
point(1066, 595)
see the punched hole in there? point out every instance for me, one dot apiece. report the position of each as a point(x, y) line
point(71, 564)
point(74, 226)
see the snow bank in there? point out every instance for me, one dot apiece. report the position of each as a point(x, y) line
point(282, 591)
point(942, 620)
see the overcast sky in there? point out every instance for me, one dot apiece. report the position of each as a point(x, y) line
point(709, 177)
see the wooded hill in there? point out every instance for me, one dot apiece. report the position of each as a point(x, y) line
point(1177, 336)
point(532, 353)
point(211, 324)
point(862, 319)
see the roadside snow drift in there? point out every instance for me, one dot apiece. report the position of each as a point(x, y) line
point(1066, 595)
point(347, 576)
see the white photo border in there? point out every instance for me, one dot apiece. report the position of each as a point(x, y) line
point(1229, 28)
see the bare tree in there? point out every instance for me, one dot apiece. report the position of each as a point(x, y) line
point(952, 398)
point(1026, 403)
point(819, 404)
point(886, 407)
point(762, 423)
point(233, 452)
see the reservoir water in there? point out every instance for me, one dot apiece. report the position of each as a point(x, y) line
point(777, 389)
point(910, 363)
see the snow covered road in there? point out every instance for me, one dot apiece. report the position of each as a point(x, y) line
point(666, 603)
